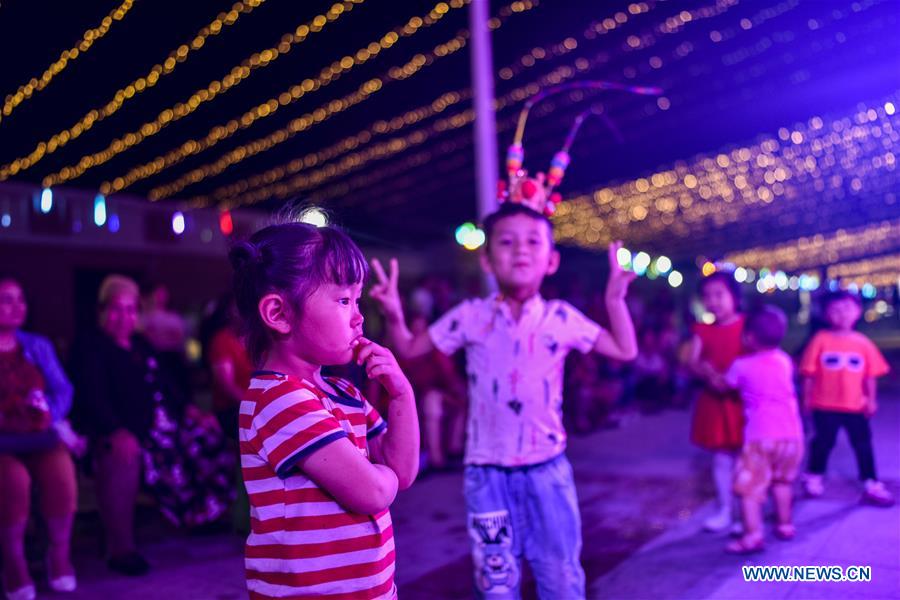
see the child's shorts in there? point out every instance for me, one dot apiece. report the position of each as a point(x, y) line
point(764, 462)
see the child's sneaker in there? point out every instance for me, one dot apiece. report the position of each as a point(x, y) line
point(813, 485)
point(876, 494)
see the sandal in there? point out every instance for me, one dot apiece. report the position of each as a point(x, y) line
point(745, 545)
point(785, 531)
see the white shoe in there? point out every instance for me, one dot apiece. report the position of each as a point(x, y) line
point(813, 485)
point(876, 494)
point(23, 593)
point(719, 521)
point(66, 583)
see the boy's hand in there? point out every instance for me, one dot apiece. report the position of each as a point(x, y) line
point(383, 368)
point(386, 291)
point(871, 407)
point(619, 279)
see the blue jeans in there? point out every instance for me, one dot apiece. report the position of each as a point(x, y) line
point(525, 512)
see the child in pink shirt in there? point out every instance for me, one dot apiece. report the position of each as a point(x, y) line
point(773, 433)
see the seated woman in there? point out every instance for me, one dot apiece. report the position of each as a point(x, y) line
point(138, 421)
point(229, 363)
point(35, 397)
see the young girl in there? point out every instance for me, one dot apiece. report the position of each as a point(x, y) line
point(320, 465)
point(718, 416)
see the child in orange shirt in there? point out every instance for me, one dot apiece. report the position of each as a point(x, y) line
point(839, 369)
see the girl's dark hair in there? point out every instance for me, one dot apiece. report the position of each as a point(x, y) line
point(293, 259)
point(726, 279)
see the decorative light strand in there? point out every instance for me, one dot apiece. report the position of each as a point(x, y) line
point(559, 75)
point(27, 90)
point(802, 170)
point(179, 55)
point(823, 248)
point(385, 126)
point(236, 75)
point(681, 51)
point(875, 270)
point(294, 93)
point(357, 160)
point(336, 150)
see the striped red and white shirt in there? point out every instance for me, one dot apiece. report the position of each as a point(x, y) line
point(302, 543)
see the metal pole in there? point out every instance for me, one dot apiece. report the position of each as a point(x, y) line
point(482, 64)
point(486, 168)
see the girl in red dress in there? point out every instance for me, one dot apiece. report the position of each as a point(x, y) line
point(718, 422)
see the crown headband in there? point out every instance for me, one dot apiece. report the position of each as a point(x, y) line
point(537, 192)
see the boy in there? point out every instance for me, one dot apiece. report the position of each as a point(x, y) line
point(839, 368)
point(773, 432)
point(520, 495)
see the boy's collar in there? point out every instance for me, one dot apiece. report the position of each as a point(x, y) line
point(501, 303)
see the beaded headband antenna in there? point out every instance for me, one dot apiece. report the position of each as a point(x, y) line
point(537, 192)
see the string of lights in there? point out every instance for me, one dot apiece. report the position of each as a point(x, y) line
point(822, 249)
point(580, 65)
point(124, 94)
point(671, 25)
point(379, 128)
point(793, 175)
point(680, 52)
point(382, 150)
point(398, 123)
point(879, 271)
point(289, 96)
point(828, 24)
point(216, 88)
point(34, 85)
point(282, 135)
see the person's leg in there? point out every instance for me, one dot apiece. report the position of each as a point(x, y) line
point(15, 497)
point(826, 425)
point(433, 412)
point(723, 477)
point(752, 475)
point(118, 479)
point(553, 546)
point(860, 434)
point(456, 438)
point(54, 477)
point(751, 514)
point(784, 501)
point(496, 545)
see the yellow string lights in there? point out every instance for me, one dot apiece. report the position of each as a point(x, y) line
point(297, 91)
point(399, 144)
point(26, 91)
point(394, 172)
point(880, 271)
point(336, 150)
point(178, 111)
point(136, 87)
point(379, 128)
point(392, 125)
point(822, 249)
point(797, 174)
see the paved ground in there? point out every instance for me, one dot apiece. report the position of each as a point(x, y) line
point(643, 492)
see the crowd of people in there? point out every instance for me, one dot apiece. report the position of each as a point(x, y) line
point(122, 413)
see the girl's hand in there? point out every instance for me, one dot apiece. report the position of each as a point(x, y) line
point(386, 291)
point(619, 279)
point(382, 367)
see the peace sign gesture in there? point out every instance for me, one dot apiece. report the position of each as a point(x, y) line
point(385, 292)
point(619, 279)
